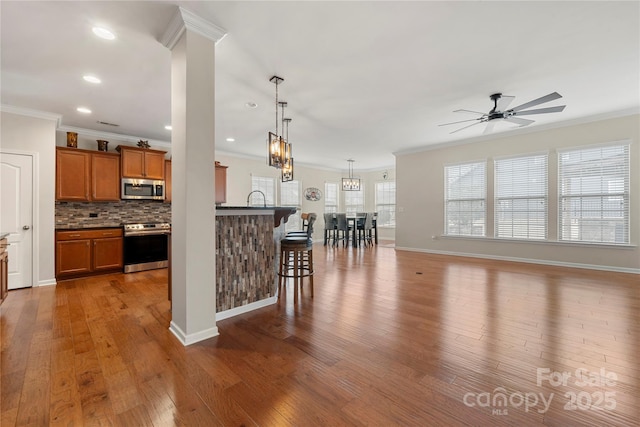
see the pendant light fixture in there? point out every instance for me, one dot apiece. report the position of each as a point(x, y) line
point(276, 143)
point(287, 168)
point(351, 183)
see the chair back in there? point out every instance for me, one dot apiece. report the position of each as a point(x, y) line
point(329, 221)
point(311, 218)
point(305, 220)
point(368, 221)
point(341, 222)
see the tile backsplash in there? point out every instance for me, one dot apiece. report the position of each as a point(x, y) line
point(110, 214)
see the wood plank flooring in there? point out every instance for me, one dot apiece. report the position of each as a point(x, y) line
point(390, 338)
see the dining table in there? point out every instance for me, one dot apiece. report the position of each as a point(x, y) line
point(352, 220)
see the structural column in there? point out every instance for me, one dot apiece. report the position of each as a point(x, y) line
point(192, 44)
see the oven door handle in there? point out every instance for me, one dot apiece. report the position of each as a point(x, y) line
point(146, 233)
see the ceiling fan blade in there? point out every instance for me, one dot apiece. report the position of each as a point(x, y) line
point(541, 110)
point(504, 102)
point(541, 100)
point(469, 111)
point(518, 121)
point(461, 121)
point(490, 126)
point(472, 124)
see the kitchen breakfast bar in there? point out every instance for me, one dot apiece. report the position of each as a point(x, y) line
point(247, 240)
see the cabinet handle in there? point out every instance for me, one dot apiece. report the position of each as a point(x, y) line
point(74, 235)
point(107, 234)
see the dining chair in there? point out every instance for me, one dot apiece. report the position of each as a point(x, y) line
point(343, 231)
point(329, 227)
point(365, 228)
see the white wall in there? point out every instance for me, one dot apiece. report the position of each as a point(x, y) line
point(420, 197)
point(37, 136)
point(239, 185)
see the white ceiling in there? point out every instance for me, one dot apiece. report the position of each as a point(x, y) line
point(363, 79)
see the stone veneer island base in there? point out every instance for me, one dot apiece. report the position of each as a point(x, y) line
point(247, 257)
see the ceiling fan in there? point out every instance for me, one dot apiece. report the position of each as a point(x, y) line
point(499, 111)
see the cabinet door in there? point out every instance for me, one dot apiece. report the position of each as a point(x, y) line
point(154, 165)
point(73, 257)
point(105, 177)
point(72, 175)
point(107, 253)
point(132, 163)
point(221, 184)
point(167, 181)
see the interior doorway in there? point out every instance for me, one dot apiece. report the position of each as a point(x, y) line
point(16, 215)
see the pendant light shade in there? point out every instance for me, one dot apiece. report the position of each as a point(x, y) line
point(351, 183)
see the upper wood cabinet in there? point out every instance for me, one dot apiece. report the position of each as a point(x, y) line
point(167, 181)
point(141, 162)
point(84, 175)
point(220, 178)
point(221, 183)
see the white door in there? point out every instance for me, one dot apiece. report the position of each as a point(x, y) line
point(16, 216)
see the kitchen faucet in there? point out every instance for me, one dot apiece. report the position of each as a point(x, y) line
point(264, 198)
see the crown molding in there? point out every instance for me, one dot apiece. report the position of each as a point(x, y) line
point(183, 20)
point(110, 135)
point(21, 111)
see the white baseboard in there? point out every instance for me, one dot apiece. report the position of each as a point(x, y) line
point(527, 260)
point(49, 282)
point(193, 338)
point(245, 308)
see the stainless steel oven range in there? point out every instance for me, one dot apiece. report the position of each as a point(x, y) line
point(146, 246)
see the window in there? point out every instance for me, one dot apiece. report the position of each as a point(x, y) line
point(331, 197)
point(354, 201)
point(521, 197)
point(268, 186)
point(465, 193)
point(290, 196)
point(593, 189)
point(386, 203)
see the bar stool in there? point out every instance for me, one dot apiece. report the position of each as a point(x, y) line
point(296, 259)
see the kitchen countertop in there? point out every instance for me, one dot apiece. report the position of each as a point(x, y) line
point(86, 227)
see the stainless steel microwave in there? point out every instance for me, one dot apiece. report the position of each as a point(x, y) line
point(142, 189)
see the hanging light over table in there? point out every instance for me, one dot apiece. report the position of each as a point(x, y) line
point(351, 183)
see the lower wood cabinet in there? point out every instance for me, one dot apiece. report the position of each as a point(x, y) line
point(85, 252)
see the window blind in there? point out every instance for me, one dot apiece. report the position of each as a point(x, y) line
point(521, 197)
point(594, 194)
point(386, 203)
point(331, 197)
point(290, 195)
point(354, 201)
point(465, 199)
point(265, 184)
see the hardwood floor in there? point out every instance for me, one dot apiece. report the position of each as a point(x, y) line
point(390, 338)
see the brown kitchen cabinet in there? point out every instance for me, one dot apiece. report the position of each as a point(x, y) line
point(4, 270)
point(84, 175)
point(221, 183)
point(86, 252)
point(220, 178)
point(141, 162)
point(167, 181)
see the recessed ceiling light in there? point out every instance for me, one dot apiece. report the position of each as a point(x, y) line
point(84, 110)
point(231, 140)
point(168, 127)
point(251, 104)
point(92, 79)
point(103, 33)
